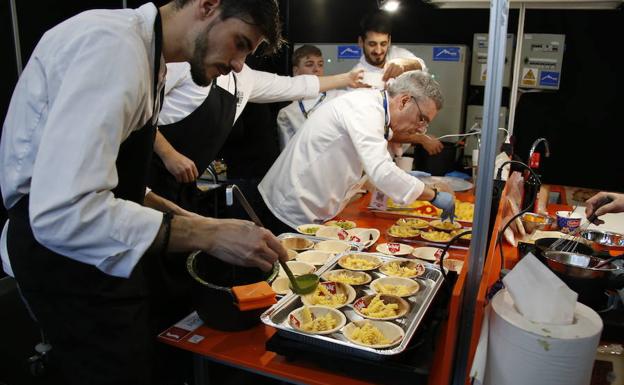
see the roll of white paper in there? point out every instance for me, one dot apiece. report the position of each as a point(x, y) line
point(521, 352)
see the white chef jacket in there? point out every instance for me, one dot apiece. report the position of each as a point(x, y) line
point(394, 52)
point(183, 96)
point(86, 87)
point(318, 171)
point(291, 118)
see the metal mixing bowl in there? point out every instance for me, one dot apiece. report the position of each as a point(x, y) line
point(604, 238)
point(577, 265)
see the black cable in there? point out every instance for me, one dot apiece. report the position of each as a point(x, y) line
point(499, 239)
point(445, 250)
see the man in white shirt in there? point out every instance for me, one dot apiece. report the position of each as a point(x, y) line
point(307, 60)
point(196, 121)
point(321, 167)
point(384, 61)
point(76, 144)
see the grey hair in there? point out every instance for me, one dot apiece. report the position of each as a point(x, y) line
point(418, 84)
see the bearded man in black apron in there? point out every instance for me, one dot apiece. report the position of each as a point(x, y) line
point(76, 145)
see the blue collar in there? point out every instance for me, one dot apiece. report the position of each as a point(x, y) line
point(307, 113)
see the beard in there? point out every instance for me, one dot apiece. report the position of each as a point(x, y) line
point(375, 60)
point(198, 67)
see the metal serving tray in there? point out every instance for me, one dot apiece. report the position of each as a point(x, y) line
point(430, 282)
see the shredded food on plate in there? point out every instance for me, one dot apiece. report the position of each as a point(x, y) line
point(368, 334)
point(316, 324)
point(377, 308)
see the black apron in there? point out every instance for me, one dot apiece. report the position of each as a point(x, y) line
point(199, 137)
point(97, 324)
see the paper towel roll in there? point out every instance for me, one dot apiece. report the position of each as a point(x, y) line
point(521, 352)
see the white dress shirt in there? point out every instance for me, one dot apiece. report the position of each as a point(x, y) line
point(183, 96)
point(394, 52)
point(86, 87)
point(291, 118)
point(322, 166)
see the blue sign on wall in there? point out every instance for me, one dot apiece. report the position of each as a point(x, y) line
point(349, 52)
point(445, 53)
point(549, 79)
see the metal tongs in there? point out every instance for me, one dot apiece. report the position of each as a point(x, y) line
point(304, 284)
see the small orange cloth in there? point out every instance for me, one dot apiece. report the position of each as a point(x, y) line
point(255, 296)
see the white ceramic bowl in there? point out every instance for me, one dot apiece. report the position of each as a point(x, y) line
point(390, 331)
point(401, 265)
point(431, 254)
point(295, 318)
point(394, 248)
point(363, 302)
point(297, 243)
point(332, 232)
point(366, 236)
point(346, 262)
point(281, 286)
point(309, 228)
point(412, 285)
point(361, 277)
point(334, 288)
point(298, 268)
point(333, 246)
point(314, 257)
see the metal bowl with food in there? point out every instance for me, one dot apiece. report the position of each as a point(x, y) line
point(533, 221)
point(577, 265)
point(605, 238)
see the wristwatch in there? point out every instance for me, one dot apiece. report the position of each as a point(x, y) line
point(435, 194)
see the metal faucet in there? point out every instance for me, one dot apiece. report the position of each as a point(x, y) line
point(534, 146)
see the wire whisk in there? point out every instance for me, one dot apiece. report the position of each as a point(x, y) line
point(571, 240)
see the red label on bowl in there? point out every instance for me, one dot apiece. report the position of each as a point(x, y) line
point(342, 235)
point(359, 304)
point(355, 238)
point(330, 286)
point(438, 253)
point(394, 247)
point(294, 321)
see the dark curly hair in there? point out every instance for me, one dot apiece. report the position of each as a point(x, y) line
point(263, 14)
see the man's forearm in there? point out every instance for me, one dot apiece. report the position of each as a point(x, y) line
point(162, 147)
point(331, 82)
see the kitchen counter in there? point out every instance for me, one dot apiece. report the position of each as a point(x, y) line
point(246, 349)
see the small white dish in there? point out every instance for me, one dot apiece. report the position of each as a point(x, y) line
point(296, 318)
point(393, 333)
point(454, 264)
point(297, 268)
point(309, 229)
point(333, 288)
point(411, 285)
point(314, 257)
point(366, 236)
point(359, 262)
point(333, 246)
point(394, 248)
point(281, 286)
point(353, 278)
point(332, 232)
point(399, 268)
point(430, 254)
point(347, 225)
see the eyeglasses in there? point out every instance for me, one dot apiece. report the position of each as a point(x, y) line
point(424, 121)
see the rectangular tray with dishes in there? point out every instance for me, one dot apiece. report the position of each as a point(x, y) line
point(410, 307)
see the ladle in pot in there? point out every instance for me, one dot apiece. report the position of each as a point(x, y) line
point(304, 284)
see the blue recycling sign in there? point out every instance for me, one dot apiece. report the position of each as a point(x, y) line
point(445, 53)
point(349, 52)
point(549, 79)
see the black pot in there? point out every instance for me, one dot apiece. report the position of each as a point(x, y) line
point(439, 164)
point(213, 299)
point(543, 244)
